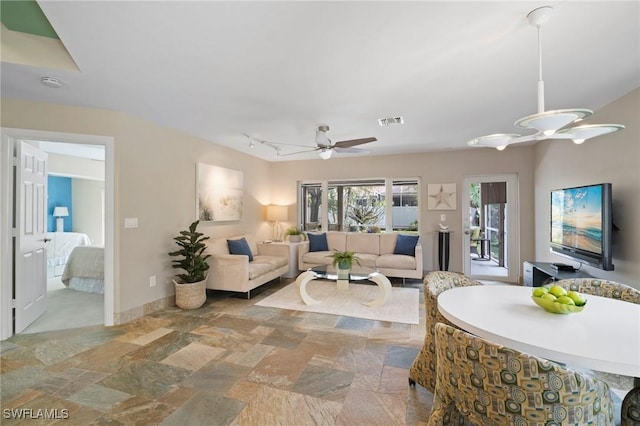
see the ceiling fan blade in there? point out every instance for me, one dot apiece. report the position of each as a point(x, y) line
point(353, 142)
point(351, 150)
point(299, 152)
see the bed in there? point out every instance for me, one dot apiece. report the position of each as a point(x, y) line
point(59, 248)
point(84, 270)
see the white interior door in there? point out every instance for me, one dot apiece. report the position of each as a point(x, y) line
point(30, 290)
point(494, 254)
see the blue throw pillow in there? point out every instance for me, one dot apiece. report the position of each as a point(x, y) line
point(406, 244)
point(240, 247)
point(318, 242)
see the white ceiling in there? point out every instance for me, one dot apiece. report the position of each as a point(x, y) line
point(275, 70)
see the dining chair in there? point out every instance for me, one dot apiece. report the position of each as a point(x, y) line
point(490, 384)
point(603, 288)
point(631, 408)
point(423, 370)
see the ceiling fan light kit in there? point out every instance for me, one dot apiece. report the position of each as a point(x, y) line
point(554, 124)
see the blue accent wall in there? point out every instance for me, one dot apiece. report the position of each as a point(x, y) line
point(59, 195)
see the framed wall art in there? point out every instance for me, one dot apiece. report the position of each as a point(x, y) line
point(441, 196)
point(219, 193)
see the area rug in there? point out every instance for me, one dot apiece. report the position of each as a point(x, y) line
point(402, 306)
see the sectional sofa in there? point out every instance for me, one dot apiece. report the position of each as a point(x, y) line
point(392, 254)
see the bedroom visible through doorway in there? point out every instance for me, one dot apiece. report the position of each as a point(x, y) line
point(75, 252)
point(13, 137)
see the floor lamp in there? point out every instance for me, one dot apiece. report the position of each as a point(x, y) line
point(277, 214)
point(60, 213)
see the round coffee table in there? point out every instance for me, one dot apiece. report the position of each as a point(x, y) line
point(356, 273)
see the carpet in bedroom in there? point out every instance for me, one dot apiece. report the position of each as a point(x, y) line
point(67, 308)
point(401, 307)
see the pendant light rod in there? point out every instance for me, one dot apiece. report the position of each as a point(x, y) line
point(540, 80)
point(538, 17)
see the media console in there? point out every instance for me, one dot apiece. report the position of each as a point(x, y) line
point(537, 274)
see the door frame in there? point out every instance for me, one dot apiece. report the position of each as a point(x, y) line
point(513, 225)
point(9, 136)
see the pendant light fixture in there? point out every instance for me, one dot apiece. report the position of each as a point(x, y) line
point(555, 124)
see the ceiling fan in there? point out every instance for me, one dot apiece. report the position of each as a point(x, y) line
point(325, 147)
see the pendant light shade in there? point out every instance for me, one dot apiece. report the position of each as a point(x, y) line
point(551, 121)
point(580, 134)
point(498, 140)
point(547, 124)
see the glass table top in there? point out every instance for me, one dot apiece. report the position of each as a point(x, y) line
point(356, 273)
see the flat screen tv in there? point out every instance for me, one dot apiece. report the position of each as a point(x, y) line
point(581, 224)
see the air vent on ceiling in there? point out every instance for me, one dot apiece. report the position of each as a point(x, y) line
point(390, 120)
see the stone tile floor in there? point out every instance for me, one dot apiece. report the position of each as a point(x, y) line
point(227, 363)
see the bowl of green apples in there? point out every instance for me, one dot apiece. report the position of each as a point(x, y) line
point(557, 300)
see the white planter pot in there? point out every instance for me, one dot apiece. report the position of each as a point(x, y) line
point(295, 238)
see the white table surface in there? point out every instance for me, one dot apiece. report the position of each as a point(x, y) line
point(605, 336)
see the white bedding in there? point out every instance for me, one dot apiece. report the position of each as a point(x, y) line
point(59, 248)
point(84, 270)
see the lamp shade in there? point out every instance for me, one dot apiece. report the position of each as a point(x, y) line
point(277, 213)
point(60, 211)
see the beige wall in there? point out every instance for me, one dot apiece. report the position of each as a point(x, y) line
point(155, 182)
point(88, 215)
point(611, 158)
point(440, 167)
point(66, 165)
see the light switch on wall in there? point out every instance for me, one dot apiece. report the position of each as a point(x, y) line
point(443, 217)
point(130, 222)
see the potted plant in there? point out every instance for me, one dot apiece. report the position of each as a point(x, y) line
point(295, 235)
point(191, 291)
point(344, 259)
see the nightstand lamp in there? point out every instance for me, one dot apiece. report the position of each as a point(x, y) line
point(277, 214)
point(60, 213)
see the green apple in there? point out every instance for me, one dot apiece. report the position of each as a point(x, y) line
point(557, 290)
point(540, 291)
point(565, 300)
point(548, 296)
point(577, 298)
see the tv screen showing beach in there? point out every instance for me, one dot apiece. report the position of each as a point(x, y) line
point(576, 218)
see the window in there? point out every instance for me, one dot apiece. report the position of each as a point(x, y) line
point(361, 205)
point(405, 205)
point(312, 202)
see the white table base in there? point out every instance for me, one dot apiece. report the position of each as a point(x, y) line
point(384, 288)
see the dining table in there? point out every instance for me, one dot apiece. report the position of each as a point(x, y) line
point(604, 336)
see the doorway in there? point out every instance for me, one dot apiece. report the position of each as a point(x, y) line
point(490, 224)
point(9, 138)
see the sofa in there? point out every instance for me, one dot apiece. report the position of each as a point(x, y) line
point(236, 272)
point(374, 250)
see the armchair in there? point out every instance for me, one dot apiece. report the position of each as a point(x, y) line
point(604, 288)
point(491, 384)
point(475, 232)
point(423, 370)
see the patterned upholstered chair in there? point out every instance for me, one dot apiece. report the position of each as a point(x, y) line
point(493, 385)
point(631, 408)
point(423, 370)
point(604, 288)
